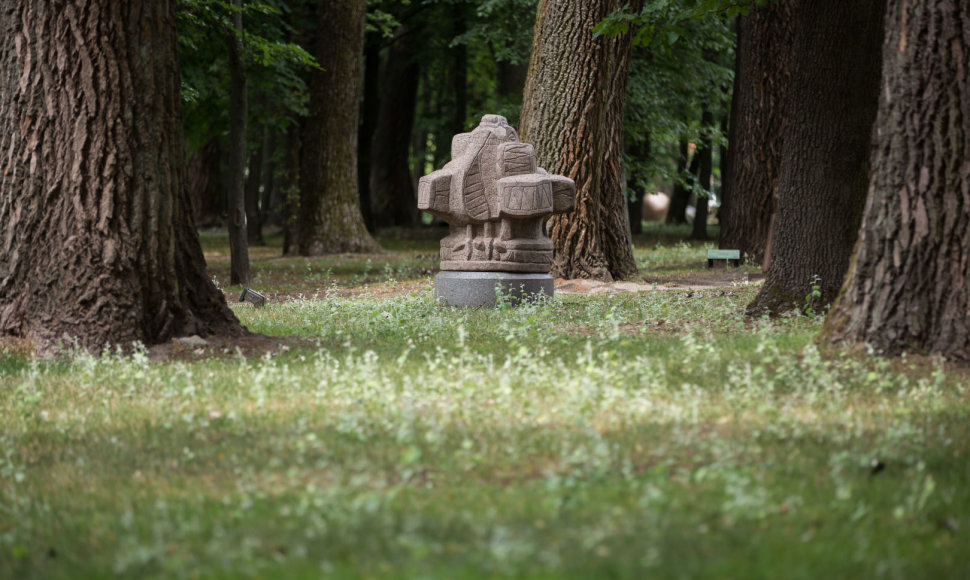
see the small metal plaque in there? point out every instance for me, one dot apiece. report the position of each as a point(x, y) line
point(253, 297)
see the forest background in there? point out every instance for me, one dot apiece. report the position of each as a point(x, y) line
point(430, 70)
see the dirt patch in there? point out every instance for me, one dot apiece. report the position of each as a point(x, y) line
point(698, 281)
point(190, 348)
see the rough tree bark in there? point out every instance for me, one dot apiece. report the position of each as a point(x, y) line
point(331, 221)
point(391, 190)
point(761, 80)
point(573, 114)
point(238, 115)
point(824, 171)
point(908, 288)
point(98, 246)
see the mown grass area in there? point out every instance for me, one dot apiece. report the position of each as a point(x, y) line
point(658, 434)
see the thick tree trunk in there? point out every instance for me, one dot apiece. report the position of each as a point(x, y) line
point(238, 248)
point(98, 246)
point(761, 80)
point(331, 221)
point(573, 114)
point(392, 193)
point(824, 172)
point(909, 284)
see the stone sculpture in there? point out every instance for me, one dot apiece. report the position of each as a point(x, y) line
point(496, 201)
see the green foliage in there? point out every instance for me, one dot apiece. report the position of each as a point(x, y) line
point(275, 66)
point(504, 27)
point(813, 296)
point(682, 63)
point(669, 20)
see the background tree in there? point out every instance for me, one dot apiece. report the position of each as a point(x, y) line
point(705, 169)
point(276, 100)
point(238, 100)
point(907, 287)
point(331, 220)
point(393, 202)
point(682, 59)
point(824, 170)
point(98, 245)
point(757, 127)
point(572, 113)
point(444, 64)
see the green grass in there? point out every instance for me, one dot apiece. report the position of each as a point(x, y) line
point(658, 434)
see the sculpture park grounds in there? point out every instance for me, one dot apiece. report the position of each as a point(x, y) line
point(377, 435)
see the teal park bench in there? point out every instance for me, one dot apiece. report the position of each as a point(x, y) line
point(728, 255)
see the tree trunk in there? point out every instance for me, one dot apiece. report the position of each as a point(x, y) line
point(573, 114)
point(909, 284)
point(640, 151)
point(331, 221)
point(705, 168)
point(832, 105)
point(291, 191)
point(761, 81)
point(369, 111)
point(392, 193)
point(722, 164)
point(238, 249)
point(511, 80)
point(98, 246)
point(680, 198)
point(271, 199)
point(459, 70)
point(204, 182)
point(254, 179)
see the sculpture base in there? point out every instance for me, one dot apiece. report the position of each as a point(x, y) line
point(453, 288)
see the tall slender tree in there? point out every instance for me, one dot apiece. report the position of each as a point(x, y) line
point(238, 118)
point(572, 113)
point(705, 169)
point(391, 188)
point(331, 220)
point(824, 169)
point(98, 246)
point(909, 284)
point(370, 109)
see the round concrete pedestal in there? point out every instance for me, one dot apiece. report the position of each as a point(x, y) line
point(454, 288)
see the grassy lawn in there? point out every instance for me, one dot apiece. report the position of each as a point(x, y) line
point(652, 434)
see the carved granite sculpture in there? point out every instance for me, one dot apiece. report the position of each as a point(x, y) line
point(496, 200)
